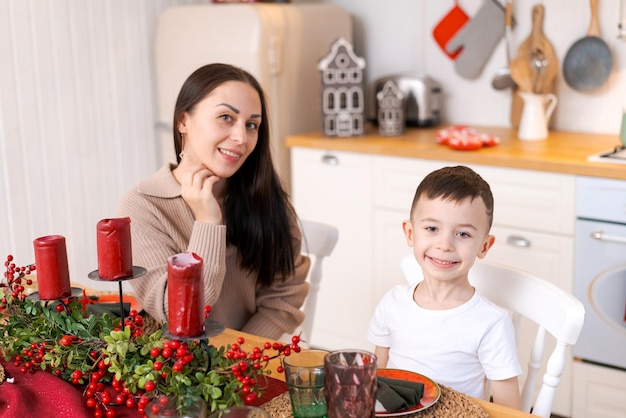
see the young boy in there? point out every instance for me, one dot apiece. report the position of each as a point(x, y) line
point(442, 327)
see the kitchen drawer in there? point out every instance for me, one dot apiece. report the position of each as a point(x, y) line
point(395, 180)
point(526, 199)
point(599, 392)
point(548, 256)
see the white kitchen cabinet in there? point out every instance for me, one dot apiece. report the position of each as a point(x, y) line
point(533, 224)
point(551, 257)
point(598, 392)
point(335, 188)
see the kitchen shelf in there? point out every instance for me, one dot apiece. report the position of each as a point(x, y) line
point(562, 152)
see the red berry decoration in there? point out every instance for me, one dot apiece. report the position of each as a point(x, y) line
point(167, 352)
point(150, 386)
point(114, 361)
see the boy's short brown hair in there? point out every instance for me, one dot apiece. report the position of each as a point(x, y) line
point(456, 184)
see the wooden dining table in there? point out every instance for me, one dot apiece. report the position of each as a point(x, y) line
point(230, 336)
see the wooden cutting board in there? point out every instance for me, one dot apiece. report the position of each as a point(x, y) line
point(536, 41)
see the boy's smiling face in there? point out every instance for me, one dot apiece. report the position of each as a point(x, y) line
point(447, 236)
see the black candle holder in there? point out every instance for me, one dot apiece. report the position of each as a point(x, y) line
point(137, 272)
point(211, 329)
point(74, 292)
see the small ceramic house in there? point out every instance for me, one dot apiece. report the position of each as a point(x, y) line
point(390, 110)
point(343, 98)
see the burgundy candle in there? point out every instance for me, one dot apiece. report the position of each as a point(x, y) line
point(185, 295)
point(115, 259)
point(53, 277)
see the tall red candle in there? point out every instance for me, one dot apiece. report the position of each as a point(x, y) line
point(115, 259)
point(53, 277)
point(185, 295)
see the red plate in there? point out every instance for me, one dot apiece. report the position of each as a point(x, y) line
point(431, 390)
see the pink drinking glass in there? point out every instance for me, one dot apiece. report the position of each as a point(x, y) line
point(350, 384)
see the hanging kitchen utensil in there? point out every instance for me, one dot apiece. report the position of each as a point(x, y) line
point(541, 58)
point(588, 62)
point(522, 74)
point(448, 26)
point(478, 39)
point(538, 64)
point(502, 80)
point(621, 26)
point(545, 62)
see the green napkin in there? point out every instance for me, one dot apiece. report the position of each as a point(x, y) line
point(396, 394)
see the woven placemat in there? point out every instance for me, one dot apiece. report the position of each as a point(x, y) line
point(279, 407)
point(451, 404)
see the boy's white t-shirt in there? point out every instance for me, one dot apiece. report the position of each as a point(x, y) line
point(456, 347)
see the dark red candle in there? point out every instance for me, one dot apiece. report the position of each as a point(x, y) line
point(115, 260)
point(53, 277)
point(185, 295)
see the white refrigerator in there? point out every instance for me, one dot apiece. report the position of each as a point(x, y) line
point(280, 44)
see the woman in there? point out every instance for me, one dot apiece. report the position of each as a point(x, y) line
point(224, 202)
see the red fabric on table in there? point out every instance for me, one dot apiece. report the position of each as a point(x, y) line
point(274, 388)
point(39, 394)
point(34, 394)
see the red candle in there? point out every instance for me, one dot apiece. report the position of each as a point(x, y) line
point(115, 259)
point(53, 277)
point(185, 295)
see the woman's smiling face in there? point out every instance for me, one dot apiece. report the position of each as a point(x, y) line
point(221, 131)
point(447, 236)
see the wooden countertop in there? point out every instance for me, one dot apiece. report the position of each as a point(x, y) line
point(230, 336)
point(561, 152)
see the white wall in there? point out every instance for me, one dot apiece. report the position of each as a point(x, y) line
point(77, 99)
point(396, 36)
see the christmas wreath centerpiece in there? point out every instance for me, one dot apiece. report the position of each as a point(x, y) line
point(115, 361)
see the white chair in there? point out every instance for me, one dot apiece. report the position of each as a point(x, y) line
point(318, 242)
point(524, 295)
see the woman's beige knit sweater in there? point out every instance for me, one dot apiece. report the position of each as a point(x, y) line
point(163, 225)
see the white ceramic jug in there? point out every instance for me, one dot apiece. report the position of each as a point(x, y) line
point(535, 115)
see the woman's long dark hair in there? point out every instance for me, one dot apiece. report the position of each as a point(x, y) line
point(259, 217)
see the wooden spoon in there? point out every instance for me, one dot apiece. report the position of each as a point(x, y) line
point(522, 74)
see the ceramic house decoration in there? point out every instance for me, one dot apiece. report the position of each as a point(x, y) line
point(343, 99)
point(390, 110)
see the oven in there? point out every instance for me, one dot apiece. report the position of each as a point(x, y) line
point(600, 270)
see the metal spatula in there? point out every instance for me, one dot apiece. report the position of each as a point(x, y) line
point(502, 79)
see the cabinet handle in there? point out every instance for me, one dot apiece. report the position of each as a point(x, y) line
point(517, 241)
point(330, 159)
point(601, 236)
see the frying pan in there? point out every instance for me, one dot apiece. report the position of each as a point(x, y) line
point(588, 62)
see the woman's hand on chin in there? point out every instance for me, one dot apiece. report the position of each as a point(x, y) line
point(198, 191)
